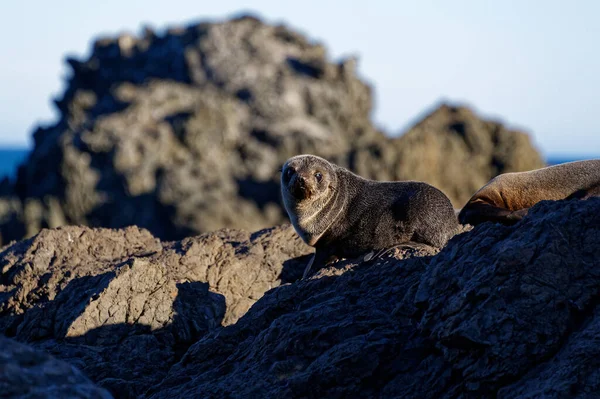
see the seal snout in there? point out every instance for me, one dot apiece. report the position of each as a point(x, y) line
point(305, 178)
point(296, 183)
point(299, 187)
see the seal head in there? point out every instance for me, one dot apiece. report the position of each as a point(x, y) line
point(308, 185)
point(306, 179)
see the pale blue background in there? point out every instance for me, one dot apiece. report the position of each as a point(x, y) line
point(534, 64)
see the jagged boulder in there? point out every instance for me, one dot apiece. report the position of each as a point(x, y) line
point(184, 133)
point(506, 311)
point(500, 312)
point(29, 373)
point(123, 306)
point(454, 149)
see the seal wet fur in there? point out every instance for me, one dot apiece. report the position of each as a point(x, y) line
point(507, 198)
point(344, 215)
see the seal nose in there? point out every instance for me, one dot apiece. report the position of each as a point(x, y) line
point(299, 187)
point(298, 182)
point(301, 181)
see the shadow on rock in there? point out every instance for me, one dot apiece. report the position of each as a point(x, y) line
point(29, 373)
point(127, 357)
point(293, 269)
point(197, 311)
point(58, 317)
point(502, 311)
point(124, 307)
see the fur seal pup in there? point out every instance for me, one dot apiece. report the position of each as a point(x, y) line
point(344, 215)
point(507, 197)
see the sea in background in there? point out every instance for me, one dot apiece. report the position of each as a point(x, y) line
point(11, 158)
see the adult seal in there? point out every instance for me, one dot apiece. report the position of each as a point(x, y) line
point(507, 198)
point(344, 215)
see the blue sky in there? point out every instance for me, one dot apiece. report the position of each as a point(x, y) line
point(534, 65)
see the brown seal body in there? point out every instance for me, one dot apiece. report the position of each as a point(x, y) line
point(507, 198)
point(344, 215)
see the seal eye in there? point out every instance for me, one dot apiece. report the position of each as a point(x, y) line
point(319, 176)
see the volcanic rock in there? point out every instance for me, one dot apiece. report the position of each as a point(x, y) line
point(123, 307)
point(27, 373)
point(184, 132)
point(500, 312)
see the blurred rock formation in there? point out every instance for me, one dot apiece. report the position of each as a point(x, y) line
point(184, 132)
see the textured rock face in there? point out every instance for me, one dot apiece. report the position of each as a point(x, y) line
point(458, 152)
point(123, 307)
point(500, 312)
point(27, 373)
point(185, 133)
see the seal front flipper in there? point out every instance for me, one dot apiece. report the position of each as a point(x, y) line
point(475, 213)
point(308, 266)
point(515, 216)
point(593, 192)
point(584, 194)
point(319, 260)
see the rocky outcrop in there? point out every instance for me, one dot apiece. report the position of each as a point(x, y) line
point(185, 132)
point(500, 312)
point(27, 373)
point(123, 306)
point(457, 151)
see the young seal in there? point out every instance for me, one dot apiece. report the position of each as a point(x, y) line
point(344, 215)
point(507, 198)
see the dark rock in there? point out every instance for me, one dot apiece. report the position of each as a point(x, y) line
point(123, 307)
point(500, 312)
point(185, 132)
point(28, 373)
